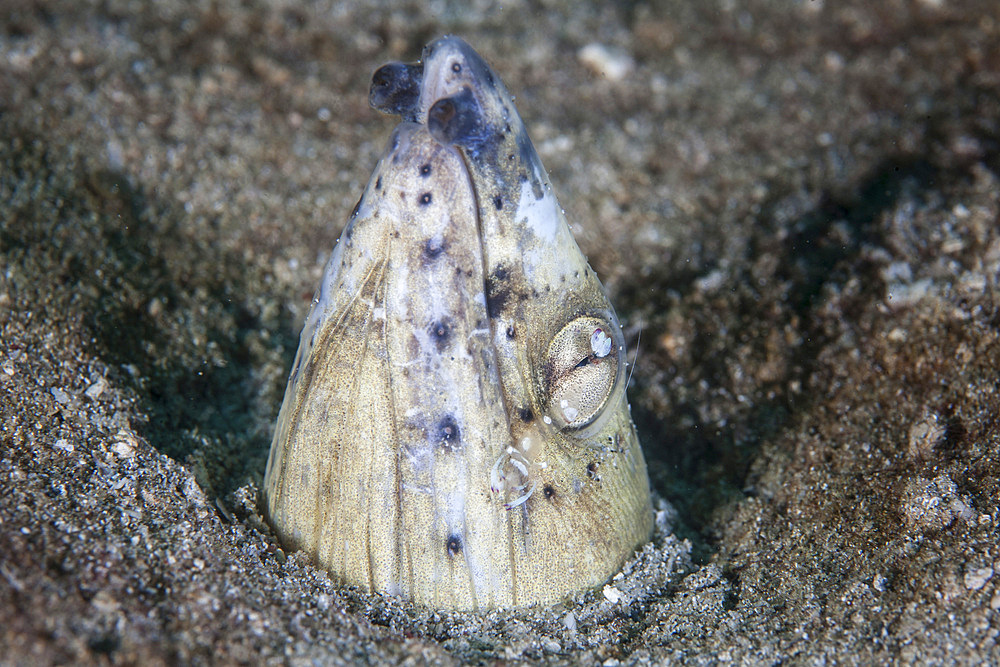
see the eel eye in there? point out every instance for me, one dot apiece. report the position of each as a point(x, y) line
point(584, 373)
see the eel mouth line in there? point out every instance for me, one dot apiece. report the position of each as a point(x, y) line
point(497, 483)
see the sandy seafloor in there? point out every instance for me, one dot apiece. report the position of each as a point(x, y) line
point(796, 203)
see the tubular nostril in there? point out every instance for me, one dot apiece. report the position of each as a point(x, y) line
point(442, 112)
point(395, 89)
point(458, 120)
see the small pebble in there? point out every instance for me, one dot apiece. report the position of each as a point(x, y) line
point(551, 645)
point(569, 621)
point(977, 578)
point(124, 448)
point(94, 391)
point(61, 396)
point(613, 64)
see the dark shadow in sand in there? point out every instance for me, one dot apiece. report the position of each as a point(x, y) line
point(698, 465)
point(172, 316)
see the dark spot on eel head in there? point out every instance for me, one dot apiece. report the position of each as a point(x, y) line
point(498, 291)
point(591, 469)
point(498, 202)
point(550, 491)
point(425, 199)
point(441, 334)
point(511, 332)
point(425, 170)
point(526, 414)
point(378, 183)
point(454, 545)
point(448, 434)
point(433, 248)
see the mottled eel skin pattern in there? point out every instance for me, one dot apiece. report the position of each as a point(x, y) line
point(455, 428)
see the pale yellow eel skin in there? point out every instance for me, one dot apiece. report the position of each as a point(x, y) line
point(455, 428)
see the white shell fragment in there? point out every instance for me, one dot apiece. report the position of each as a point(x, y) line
point(455, 428)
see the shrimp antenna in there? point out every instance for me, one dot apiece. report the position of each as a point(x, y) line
point(635, 358)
